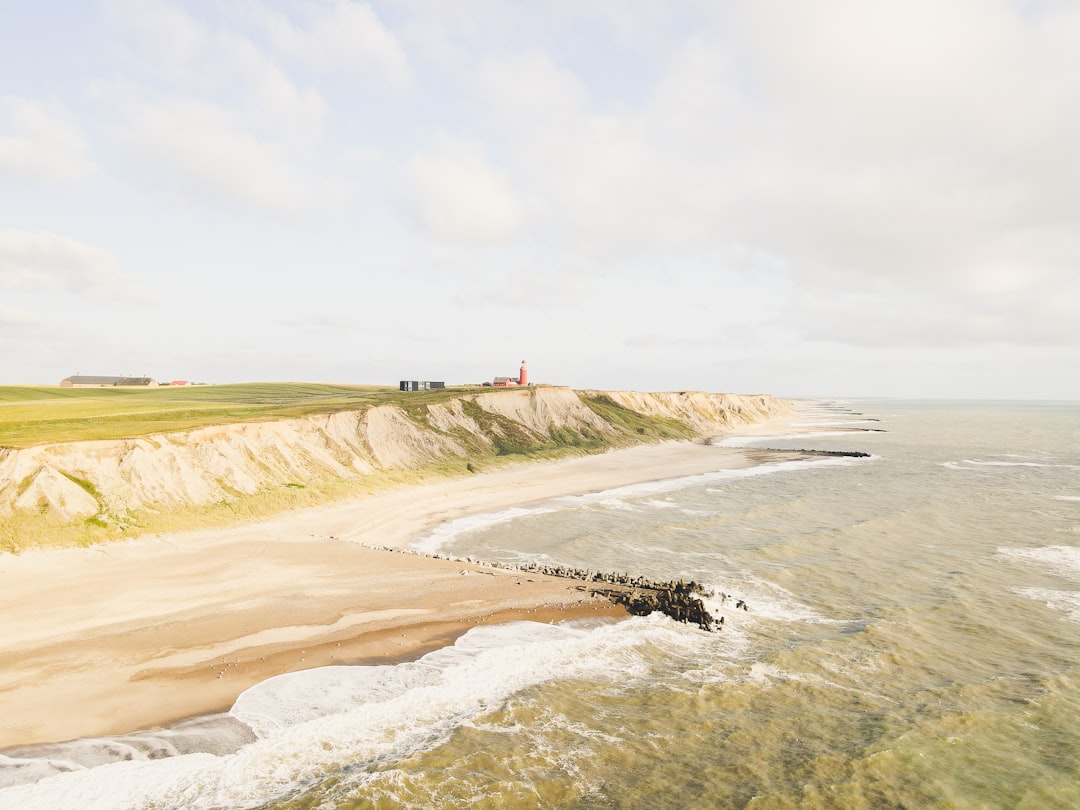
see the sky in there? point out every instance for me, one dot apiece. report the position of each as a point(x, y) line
point(838, 198)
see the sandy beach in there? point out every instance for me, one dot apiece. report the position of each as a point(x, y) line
point(136, 635)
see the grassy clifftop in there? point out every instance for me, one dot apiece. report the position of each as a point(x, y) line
point(31, 415)
point(81, 466)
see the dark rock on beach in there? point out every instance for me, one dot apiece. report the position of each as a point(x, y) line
point(677, 599)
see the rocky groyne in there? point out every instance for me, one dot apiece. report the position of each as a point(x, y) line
point(679, 599)
point(836, 453)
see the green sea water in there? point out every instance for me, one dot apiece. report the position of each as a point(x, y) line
point(912, 640)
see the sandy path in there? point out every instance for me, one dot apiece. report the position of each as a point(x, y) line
point(138, 634)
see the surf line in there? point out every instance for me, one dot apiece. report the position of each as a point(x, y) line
point(677, 599)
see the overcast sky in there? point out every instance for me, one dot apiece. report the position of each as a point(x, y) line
point(808, 198)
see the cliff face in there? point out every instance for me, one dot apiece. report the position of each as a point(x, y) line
point(707, 414)
point(108, 478)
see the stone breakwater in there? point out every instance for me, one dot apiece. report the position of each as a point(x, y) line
point(837, 453)
point(680, 600)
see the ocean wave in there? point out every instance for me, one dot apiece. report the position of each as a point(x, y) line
point(217, 734)
point(766, 674)
point(444, 534)
point(1067, 602)
point(1063, 560)
point(752, 441)
point(970, 463)
point(835, 424)
point(765, 601)
point(313, 724)
point(441, 537)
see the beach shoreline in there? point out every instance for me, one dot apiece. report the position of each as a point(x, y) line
point(140, 634)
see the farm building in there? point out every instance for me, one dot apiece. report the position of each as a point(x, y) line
point(85, 381)
point(419, 385)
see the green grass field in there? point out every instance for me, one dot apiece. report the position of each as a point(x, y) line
point(32, 415)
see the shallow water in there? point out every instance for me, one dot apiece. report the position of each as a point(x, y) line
point(912, 640)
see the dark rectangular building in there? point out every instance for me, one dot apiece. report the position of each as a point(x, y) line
point(419, 385)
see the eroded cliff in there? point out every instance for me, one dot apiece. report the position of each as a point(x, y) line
point(106, 480)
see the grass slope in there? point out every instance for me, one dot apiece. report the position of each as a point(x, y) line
point(32, 415)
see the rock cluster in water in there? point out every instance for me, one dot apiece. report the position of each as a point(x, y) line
point(677, 599)
point(838, 453)
point(678, 602)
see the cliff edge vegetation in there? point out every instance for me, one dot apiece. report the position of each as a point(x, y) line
point(80, 466)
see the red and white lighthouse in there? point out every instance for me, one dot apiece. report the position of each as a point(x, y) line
point(523, 378)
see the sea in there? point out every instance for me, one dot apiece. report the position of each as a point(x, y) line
point(902, 630)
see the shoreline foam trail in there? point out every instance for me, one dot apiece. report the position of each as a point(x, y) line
point(135, 635)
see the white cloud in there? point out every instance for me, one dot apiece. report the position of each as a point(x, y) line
point(38, 261)
point(594, 172)
point(40, 141)
point(162, 31)
point(324, 322)
point(916, 149)
point(461, 197)
point(866, 131)
point(1031, 310)
point(195, 59)
point(529, 290)
point(769, 173)
point(215, 116)
point(530, 91)
point(207, 150)
point(360, 158)
point(342, 35)
point(271, 98)
point(18, 318)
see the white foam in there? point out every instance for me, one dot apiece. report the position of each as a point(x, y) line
point(968, 463)
point(214, 734)
point(1063, 560)
point(834, 424)
point(23, 770)
point(751, 441)
point(617, 498)
point(764, 601)
point(1066, 601)
point(445, 533)
point(657, 503)
point(312, 723)
point(766, 674)
point(1075, 498)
